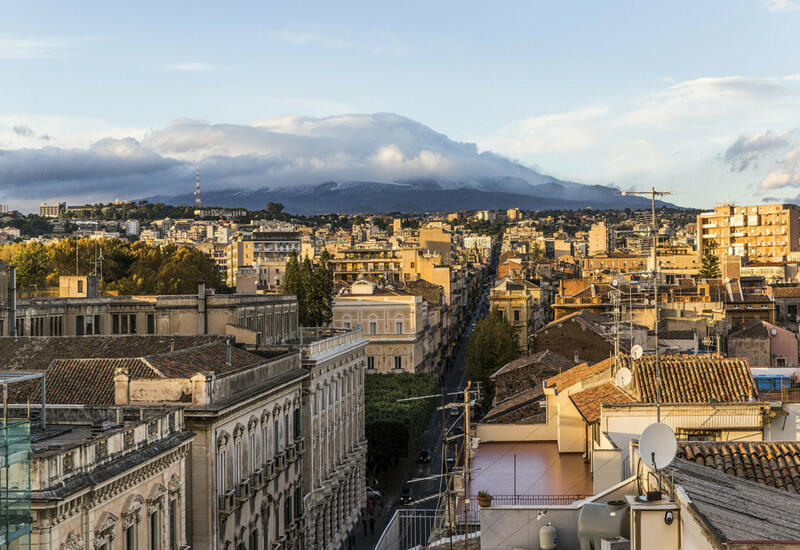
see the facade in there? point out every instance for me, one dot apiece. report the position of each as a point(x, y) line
point(763, 233)
point(252, 319)
point(265, 251)
point(601, 239)
point(395, 323)
point(520, 302)
point(764, 345)
point(334, 467)
point(52, 210)
point(104, 477)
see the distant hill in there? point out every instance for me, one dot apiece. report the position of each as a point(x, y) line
point(420, 196)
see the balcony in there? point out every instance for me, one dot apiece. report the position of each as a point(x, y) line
point(271, 470)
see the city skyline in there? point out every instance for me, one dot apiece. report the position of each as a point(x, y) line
point(101, 107)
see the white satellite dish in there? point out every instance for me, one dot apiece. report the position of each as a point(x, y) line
point(623, 377)
point(658, 446)
point(774, 332)
point(637, 352)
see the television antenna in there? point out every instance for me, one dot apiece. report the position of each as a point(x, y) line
point(657, 447)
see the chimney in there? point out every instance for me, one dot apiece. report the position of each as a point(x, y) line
point(172, 344)
point(201, 307)
point(12, 299)
point(228, 352)
point(577, 357)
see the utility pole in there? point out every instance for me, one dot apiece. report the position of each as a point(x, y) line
point(466, 458)
point(654, 270)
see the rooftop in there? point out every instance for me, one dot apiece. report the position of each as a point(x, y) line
point(588, 402)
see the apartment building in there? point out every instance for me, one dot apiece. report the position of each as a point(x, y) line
point(265, 251)
point(52, 210)
point(396, 324)
point(763, 233)
point(520, 302)
point(601, 238)
point(334, 468)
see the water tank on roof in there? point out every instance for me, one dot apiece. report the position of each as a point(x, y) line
point(598, 521)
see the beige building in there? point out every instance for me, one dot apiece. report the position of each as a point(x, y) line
point(252, 319)
point(601, 238)
point(265, 252)
point(394, 323)
point(334, 467)
point(763, 233)
point(520, 302)
point(108, 477)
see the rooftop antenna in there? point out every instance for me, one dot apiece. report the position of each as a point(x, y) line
point(657, 447)
point(654, 271)
point(197, 202)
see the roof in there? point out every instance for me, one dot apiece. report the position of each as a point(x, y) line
point(208, 357)
point(735, 509)
point(37, 352)
point(693, 379)
point(522, 407)
point(576, 374)
point(786, 291)
point(773, 463)
point(590, 320)
point(754, 328)
point(588, 402)
point(545, 358)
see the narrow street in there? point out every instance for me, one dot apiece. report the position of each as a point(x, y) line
point(455, 379)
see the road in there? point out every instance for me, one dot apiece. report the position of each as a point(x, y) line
point(455, 379)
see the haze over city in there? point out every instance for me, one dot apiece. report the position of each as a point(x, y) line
point(126, 101)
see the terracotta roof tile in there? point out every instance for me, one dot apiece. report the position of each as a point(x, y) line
point(693, 379)
point(576, 374)
point(773, 463)
point(588, 402)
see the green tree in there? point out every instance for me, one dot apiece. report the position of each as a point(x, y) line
point(320, 293)
point(492, 344)
point(710, 263)
point(274, 208)
point(33, 265)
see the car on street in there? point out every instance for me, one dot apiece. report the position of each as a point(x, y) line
point(407, 495)
point(455, 411)
point(450, 463)
point(425, 456)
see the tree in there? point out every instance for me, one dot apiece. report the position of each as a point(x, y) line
point(710, 264)
point(33, 265)
point(493, 343)
point(313, 286)
point(274, 208)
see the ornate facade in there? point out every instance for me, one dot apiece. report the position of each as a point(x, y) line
point(100, 481)
point(333, 419)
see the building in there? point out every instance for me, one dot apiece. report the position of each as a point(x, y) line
point(109, 477)
point(265, 251)
point(132, 228)
point(246, 461)
point(520, 302)
point(52, 210)
point(601, 239)
point(395, 324)
point(763, 233)
point(252, 319)
point(335, 463)
point(764, 344)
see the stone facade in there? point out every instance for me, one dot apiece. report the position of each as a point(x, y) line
point(97, 489)
point(334, 477)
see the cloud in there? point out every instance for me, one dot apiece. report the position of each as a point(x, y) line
point(25, 48)
point(792, 77)
point(785, 173)
point(782, 5)
point(23, 131)
point(274, 153)
point(746, 150)
point(193, 67)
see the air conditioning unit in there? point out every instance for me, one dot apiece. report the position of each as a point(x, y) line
point(616, 543)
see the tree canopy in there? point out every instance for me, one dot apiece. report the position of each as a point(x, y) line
point(312, 283)
point(709, 268)
point(491, 345)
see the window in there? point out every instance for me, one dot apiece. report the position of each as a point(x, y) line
point(154, 531)
point(278, 516)
point(275, 434)
point(287, 511)
point(373, 327)
point(237, 461)
point(173, 524)
point(398, 362)
point(265, 440)
point(346, 324)
point(296, 422)
point(80, 286)
point(298, 502)
point(221, 467)
point(516, 315)
point(371, 362)
point(252, 452)
point(286, 430)
point(398, 327)
point(780, 362)
point(254, 539)
point(80, 326)
point(129, 538)
point(124, 323)
point(151, 323)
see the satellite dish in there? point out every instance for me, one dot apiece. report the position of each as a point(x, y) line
point(658, 446)
point(774, 332)
point(613, 330)
point(623, 377)
point(637, 352)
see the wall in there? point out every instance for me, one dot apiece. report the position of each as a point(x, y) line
point(515, 432)
point(756, 350)
point(503, 528)
point(785, 427)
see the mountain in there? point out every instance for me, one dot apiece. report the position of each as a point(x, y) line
point(419, 196)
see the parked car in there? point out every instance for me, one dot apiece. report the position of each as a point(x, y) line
point(373, 494)
point(454, 412)
point(450, 462)
point(425, 456)
point(407, 495)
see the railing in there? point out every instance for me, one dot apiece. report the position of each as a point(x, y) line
point(786, 395)
point(407, 529)
point(534, 500)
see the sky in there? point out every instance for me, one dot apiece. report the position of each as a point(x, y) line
point(101, 100)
